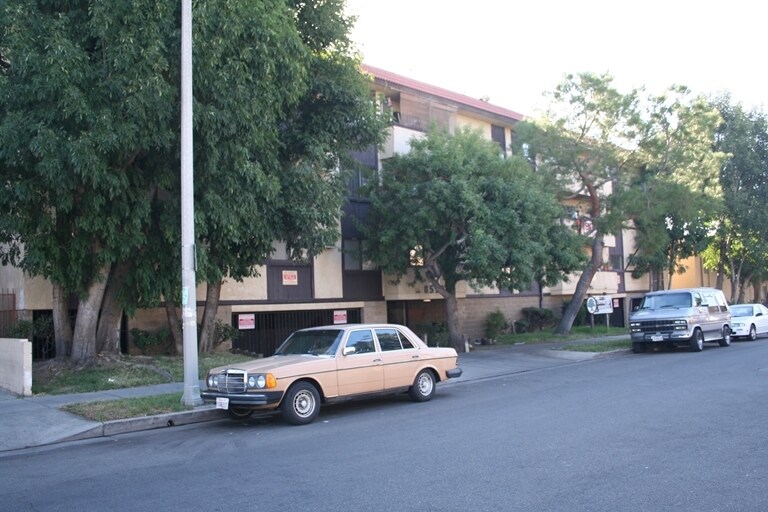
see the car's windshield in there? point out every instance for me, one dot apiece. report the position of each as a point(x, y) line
point(741, 310)
point(315, 342)
point(666, 300)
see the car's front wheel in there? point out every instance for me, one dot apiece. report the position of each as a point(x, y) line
point(697, 341)
point(725, 341)
point(638, 348)
point(752, 332)
point(423, 386)
point(301, 404)
point(239, 413)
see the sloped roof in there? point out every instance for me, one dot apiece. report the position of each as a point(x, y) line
point(397, 82)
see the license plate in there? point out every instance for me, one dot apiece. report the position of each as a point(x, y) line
point(222, 403)
point(657, 337)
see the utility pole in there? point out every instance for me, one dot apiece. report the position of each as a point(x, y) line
point(191, 396)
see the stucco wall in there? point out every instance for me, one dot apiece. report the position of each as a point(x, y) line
point(327, 272)
point(16, 366)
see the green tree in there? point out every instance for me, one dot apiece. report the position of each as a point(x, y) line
point(80, 113)
point(89, 145)
point(580, 145)
point(452, 210)
point(676, 160)
point(623, 156)
point(741, 231)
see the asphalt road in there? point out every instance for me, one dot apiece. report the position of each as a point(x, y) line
point(667, 431)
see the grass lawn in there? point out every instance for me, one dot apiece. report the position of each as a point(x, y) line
point(57, 378)
point(548, 335)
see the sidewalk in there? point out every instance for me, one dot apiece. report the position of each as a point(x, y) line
point(38, 421)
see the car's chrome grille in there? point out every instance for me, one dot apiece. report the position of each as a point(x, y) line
point(657, 326)
point(232, 381)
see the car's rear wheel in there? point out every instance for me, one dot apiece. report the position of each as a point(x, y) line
point(239, 413)
point(638, 348)
point(725, 341)
point(423, 386)
point(697, 341)
point(301, 404)
point(752, 332)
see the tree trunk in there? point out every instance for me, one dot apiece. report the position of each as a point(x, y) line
point(84, 342)
point(174, 325)
point(108, 332)
point(541, 294)
point(212, 295)
point(453, 319)
point(62, 327)
point(582, 286)
point(721, 263)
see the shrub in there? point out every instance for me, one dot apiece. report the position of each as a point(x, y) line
point(150, 342)
point(436, 334)
point(495, 324)
point(41, 328)
point(22, 329)
point(538, 318)
point(223, 332)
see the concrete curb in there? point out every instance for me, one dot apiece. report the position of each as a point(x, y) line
point(171, 419)
point(574, 355)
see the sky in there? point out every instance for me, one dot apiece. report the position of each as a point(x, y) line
point(512, 52)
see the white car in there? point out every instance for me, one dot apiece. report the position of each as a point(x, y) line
point(749, 320)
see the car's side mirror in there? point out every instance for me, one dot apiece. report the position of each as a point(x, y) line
point(348, 350)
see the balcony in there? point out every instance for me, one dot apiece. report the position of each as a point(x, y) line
point(399, 141)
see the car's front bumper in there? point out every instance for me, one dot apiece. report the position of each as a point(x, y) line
point(260, 399)
point(740, 330)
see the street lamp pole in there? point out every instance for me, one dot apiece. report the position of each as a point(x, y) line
point(191, 396)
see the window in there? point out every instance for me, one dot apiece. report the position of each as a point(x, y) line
point(617, 262)
point(353, 255)
point(392, 339)
point(498, 135)
point(362, 341)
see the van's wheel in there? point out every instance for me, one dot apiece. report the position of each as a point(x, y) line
point(725, 341)
point(752, 332)
point(423, 386)
point(638, 348)
point(301, 404)
point(239, 413)
point(697, 341)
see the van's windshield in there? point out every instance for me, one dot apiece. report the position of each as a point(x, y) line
point(667, 300)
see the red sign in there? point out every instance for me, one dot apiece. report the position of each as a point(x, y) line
point(246, 321)
point(340, 316)
point(290, 278)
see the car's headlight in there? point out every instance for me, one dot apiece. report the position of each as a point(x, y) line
point(213, 380)
point(737, 324)
point(261, 381)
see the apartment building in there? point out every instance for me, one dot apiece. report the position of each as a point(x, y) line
point(338, 286)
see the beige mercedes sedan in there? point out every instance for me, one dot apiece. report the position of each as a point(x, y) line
point(331, 363)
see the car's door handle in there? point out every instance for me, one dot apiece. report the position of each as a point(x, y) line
point(377, 360)
point(415, 357)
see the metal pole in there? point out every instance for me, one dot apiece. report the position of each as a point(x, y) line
point(191, 396)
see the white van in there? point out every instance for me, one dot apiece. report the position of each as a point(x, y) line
point(686, 317)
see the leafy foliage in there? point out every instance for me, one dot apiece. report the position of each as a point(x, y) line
point(495, 324)
point(462, 213)
point(89, 143)
point(538, 318)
